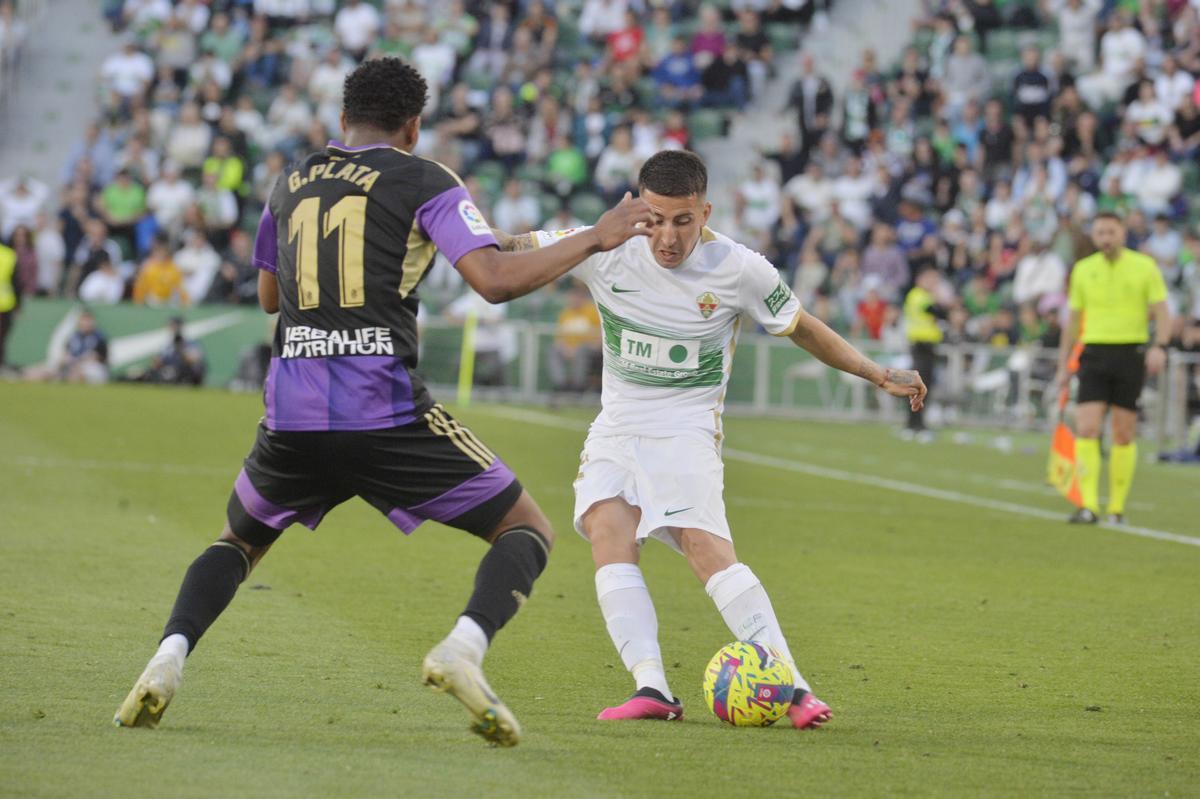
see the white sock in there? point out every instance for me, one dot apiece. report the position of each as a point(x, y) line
point(470, 637)
point(175, 647)
point(747, 610)
point(632, 624)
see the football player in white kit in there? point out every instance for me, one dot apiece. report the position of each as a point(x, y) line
point(672, 305)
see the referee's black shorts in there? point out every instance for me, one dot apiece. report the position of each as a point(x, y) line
point(1112, 373)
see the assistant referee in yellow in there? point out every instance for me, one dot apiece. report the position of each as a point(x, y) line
point(1113, 293)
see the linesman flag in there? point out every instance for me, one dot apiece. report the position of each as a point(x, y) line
point(1060, 468)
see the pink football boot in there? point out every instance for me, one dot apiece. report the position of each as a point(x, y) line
point(807, 712)
point(646, 703)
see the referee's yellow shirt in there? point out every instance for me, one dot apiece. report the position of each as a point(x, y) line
point(1115, 296)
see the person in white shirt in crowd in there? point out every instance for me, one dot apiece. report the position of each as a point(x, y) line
point(198, 262)
point(51, 254)
point(1000, 207)
point(1149, 115)
point(758, 201)
point(325, 85)
point(193, 14)
point(616, 171)
point(1121, 49)
point(1160, 182)
point(104, 286)
point(517, 209)
point(646, 133)
point(127, 73)
point(1040, 271)
point(810, 192)
point(1164, 244)
point(356, 25)
point(249, 120)
point(210, 68)
point(1076, 31)
point(853, 191)
point(434, 58)
point(142, 15)
point(189, 140)
point(169, 197)
point(21, 200)
point(967, 77)
point(1173, 85)
point(288, 118)
point(602, 17)
point(495, 339)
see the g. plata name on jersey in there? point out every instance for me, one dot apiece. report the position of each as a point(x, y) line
point(361, 175)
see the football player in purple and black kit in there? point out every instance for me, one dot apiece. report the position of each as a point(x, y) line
point(343, 245)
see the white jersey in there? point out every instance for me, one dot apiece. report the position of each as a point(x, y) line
point(669, 334)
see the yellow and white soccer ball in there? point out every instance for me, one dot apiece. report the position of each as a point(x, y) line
point(748, 685)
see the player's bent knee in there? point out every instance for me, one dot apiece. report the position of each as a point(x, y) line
point(525, 513)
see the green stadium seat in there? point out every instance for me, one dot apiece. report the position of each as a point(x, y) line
point(548, 204)
point(706, 123)
point(783, 36)
point(588, 207)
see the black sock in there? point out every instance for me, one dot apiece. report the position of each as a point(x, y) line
point(208, 588)
point(505, 577)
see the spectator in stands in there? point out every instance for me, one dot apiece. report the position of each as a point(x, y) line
point(219, 209)
point(1122, 49)
point(600, 18)
point(236, 281)
point(21, 200)
point(84, 358)
point(562, 219)
point(517, 210)
point(121, 205)
point(1077, 30)
point(325, 87)
point(812, 98)
point(159, 281)
point(625, 44)
point(1040, 271)
point(1031, 88)
point(967, 78)
point(51, 255)
point(198, 262)
point(566, 168)
point(1150, 117)
point(726, 80)
point(168, 197)
point(616, 171)
point(1184, 134)
point(758, 203)
point(434, 58)
point(810, 193)
point(356, 26)
point(93, 246)
point(189, 141)
point(708, 42)
point(886, 263)
point(677, 79)
point(575, 356)
point(494, 41)
point(104, 285)
point(127, 74)
point(288, 120)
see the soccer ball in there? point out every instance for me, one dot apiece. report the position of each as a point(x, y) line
point(748, 685)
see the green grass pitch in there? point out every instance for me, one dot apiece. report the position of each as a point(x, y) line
point(965, 650)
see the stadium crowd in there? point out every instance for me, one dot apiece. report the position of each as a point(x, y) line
point(983, 153)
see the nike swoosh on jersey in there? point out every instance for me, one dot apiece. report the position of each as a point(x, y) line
point(618, 290)
point(673, 512)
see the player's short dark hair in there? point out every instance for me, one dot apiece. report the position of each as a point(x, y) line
point(384, 93)
point(1113, 215)
point(674, 173)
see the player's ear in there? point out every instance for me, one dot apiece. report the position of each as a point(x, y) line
point(707, 212)
point(413, 132)
point(342, 123)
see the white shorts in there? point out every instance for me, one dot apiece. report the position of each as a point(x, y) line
point(676, 482)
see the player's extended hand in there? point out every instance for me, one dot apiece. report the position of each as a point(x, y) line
point(905, 383)
point(1156, 359)
point(627, 219)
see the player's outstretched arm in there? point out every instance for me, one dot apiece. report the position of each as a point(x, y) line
point(500, 276)
point(813, 335)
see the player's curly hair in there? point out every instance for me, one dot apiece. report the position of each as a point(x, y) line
point(674, 173)
point(384, 93)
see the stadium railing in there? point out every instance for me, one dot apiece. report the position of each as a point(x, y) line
point(978, 385)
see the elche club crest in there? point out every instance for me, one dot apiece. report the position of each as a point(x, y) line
point(707, 302)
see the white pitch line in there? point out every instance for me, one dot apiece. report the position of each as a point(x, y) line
point(754, 458)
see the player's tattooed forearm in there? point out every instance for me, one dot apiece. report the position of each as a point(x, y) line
point(513, 243)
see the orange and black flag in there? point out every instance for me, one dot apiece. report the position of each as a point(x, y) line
point(1060, 468)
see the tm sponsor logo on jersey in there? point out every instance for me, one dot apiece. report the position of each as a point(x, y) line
point(302, 341)
point(661, 356)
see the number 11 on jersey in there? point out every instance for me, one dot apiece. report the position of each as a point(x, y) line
point(347, 218)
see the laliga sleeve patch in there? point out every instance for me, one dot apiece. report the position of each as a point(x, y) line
point(475, 221)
